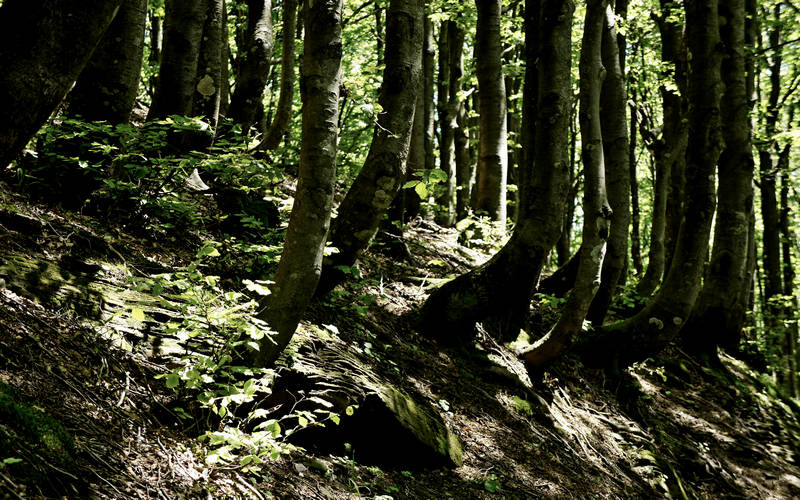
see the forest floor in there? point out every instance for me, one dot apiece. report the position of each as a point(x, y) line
point(82, 416)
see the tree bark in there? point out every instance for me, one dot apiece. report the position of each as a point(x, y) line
point(720, 310)
point(493, 146)
point(614, 121)
point(500, 290)
point(208, 81)
point(384, 170)
point(109, 84)
point(791, 305)
point(253, 65)
point(661, 320)
point(45, 46)
point(636, 233)
point(301, 260)
point(457, 104)
point(447, 123)
point(597, 212)
point(180, 51)
point(280, 124)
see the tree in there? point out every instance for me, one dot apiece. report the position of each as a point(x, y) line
point(280, 124)
point(720, 309)
point(597, 212)
point(210, 68)
point(301, 261)
point(492, 148)
point(500, 290)
point(614, 125)
point(107, 87)
point(253, 64)
point(180, 52)
point(45, 47)
point(384, 170)
point(665, 314)
point(451, 46)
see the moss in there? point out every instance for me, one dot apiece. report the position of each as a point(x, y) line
point(31, 436)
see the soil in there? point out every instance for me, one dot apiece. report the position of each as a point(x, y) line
point(668, 427)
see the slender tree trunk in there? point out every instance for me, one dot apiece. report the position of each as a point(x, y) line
point(225, 92)
point(428, 66)
point(457, 104)
point(597, 212)
point(301, 260)
point(500, 290)
point(253, 65)
point(45, 45)
point(720, 310)
point(280, 124)
point(448, 115)
point(384, 170)
point(791, 306)
point(614, 121)
point(665, 314)
point(180, 50)
point(493, 147)
point(208, 81)
point(636, 233)
point(109, 84)
point(564, 243)
point(675, 129)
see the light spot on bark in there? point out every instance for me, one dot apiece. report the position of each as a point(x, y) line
point(657, 323)
point(677, 320)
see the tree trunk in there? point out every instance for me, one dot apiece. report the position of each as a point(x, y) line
point(155, 49)
point(45, 45)
point(301, 260)
point(457, 104)
point(664, 315)
point(384, 170)
point(492, 147)
point(253, 65)
point(428, 66)
point(564, 243)
point(283, 115)
point(500, 290)
point(791, 305)
point(447, 123)
point(597, 212)
point(720, 309)
point(636, 233)
point(614, 121)
point(208, 81)
point(672, 150)
point(180, 51)
point(109, 84)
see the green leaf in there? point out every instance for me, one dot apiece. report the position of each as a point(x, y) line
point(349, 411)
point(303, 421)
point(173, 380)
point(335, 418)
point(422, 190)
point(410, 184)
point(137, 314)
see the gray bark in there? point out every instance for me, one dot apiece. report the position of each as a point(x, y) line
point(45, 45)
point(301, 261)
point(253, 65)
point(597, 212)
point(720, 309)
point(493, 146)
point(661, 320)
point(500, 290)
point(109, 84)
point(208, 80)
point(180, 51)
point(280, 124)
point(384, 170)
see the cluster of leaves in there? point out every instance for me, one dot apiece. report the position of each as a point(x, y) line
point(214, 324)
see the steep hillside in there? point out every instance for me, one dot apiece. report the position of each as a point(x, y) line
point(95, 399)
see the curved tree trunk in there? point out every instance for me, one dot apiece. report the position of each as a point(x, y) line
point(500, 290)
point(253, 66)
point(597, 212)
point(666, 313)
point(180, 51)
point(109, 84)
point(283, 115)
point(208, 81)
point(493, 146)
point(301, 260)
point(614, 121)
point(720, 309)
point(384, 170)
point(45, 45)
